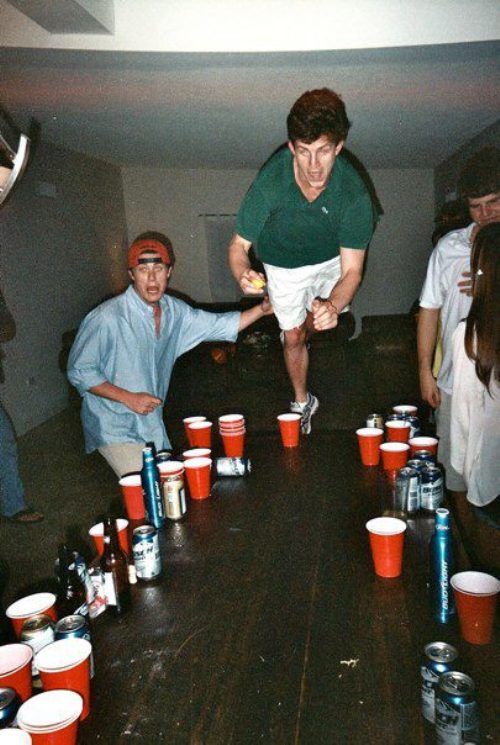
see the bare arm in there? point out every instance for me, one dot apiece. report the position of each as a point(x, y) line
point(239, 263)
point(326, 312)
point(426, 342)
point(253, 314)
point(140, 403)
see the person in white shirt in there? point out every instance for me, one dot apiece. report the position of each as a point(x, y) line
point(446, 291)
point(475, 401)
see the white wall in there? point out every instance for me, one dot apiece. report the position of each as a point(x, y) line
point(172, 200)
point(401, 245)
point(58, 258)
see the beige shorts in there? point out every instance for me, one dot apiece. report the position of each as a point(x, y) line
point(291, 291)
point(123, 457)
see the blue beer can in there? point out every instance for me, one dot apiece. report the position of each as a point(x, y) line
point(425, 455)
point(9, 704)
point(457, 717)
point(439, 658)
point(75, 627)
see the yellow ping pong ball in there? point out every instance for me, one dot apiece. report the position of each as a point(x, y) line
point(258, 283)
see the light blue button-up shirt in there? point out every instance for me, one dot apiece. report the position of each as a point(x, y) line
point(117, 343)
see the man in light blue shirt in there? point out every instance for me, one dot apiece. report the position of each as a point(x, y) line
point(122, 358)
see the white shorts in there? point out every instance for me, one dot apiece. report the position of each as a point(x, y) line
point(291, 291)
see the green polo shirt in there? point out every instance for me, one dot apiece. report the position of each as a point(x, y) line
point(288, 231)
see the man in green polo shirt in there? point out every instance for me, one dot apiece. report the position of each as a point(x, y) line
point(310, 218)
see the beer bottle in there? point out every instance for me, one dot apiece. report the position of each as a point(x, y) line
point(114, 566)
point(72, 596)
point(150, 478)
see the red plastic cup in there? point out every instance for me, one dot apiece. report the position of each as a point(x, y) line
point(29, 606)
point(15, 668)
point(198, 477)
point(170, 468)
point(394, 455)
point(133, 497)
point(96, 532)
point(201, 434)
point(424, 443)
point(234, 444)
point(196, 453)
point(369, 440)
point(475, 596)
point(191, 420)
point(11, 736)
point(229, 422)
point(289, 425)
point(405, 410)
point(386, 543)
point(398, 431)
point(65, 664)
point(51, 718)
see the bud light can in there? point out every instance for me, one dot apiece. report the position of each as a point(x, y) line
point(75, 626)
point(431, 488)
point(163, 455)
point(425, 455)
point(375, 420)
point(439, 658)
point(394, 418)
point(9, 704)
point(457, 718)
point(233, 466)
point(408, 490)
point(414, 423)
point(417, 464)
point(146, 552)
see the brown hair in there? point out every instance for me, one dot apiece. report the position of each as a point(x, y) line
point(481, 174)
point(317, 113)
point(482, 330)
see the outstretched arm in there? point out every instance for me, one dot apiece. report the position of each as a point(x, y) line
point(253, 314)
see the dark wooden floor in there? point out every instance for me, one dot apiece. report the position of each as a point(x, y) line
point(269, 625)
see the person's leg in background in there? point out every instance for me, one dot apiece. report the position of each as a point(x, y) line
point(123, 457)
point(454, 481)
point(12, 502)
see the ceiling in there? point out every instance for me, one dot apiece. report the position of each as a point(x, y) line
point(412, 99)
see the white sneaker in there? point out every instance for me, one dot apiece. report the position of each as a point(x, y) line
point(306, 410)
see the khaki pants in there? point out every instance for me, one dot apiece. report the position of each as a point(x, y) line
point(123, 457)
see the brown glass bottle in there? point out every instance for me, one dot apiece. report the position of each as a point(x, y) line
point(114, 566)
point(71, 598)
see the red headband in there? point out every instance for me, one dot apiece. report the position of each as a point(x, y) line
point(147, 244)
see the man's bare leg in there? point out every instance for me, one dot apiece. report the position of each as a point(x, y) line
point(297, 360)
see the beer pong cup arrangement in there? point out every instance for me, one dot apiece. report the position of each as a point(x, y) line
point(232, 430)
point(65, 664)
point(424, 443)
point(15, 737)
point(15, 669)
point(51, 718)
point(475, 597)
point(191, 420)
point(370, 440)
point(398, 431)
point(289, 425)
point(394, 455)
point(31, 605)
point(200, 434)
point(198, 477)
point(96, 532)
point(196, 453)
point(133, 499)
point(386, 543)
